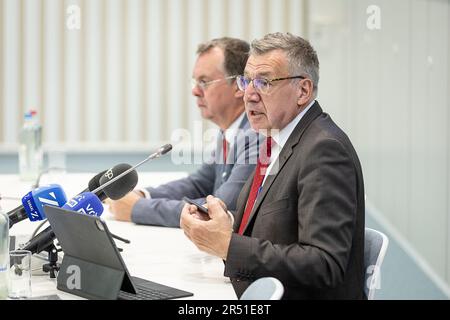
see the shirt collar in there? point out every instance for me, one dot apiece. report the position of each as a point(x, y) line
point(284, 133)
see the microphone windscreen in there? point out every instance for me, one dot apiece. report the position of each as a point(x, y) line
point(166, 148)
point(118, 189)
point(94, 183)
point(86, 203)
point(33, 201)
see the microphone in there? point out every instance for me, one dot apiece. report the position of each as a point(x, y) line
point(41, 241)
point(109, 177)
point(20, 213)
point(95, 183)
point(33, 201)
point(114, 188)
point(88, 204)
point(85, 203)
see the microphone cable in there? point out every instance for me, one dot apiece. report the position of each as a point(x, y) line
point(38, 228)
point(38, 179)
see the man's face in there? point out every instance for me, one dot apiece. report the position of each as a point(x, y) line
point(216, 99)
point(278, 107)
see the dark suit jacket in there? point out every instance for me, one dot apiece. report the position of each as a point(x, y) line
point(307, 225)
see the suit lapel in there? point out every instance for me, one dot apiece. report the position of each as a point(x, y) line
point(283, 157)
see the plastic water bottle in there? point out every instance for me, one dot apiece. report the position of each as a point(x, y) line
point(4, 254)
point(31, 154)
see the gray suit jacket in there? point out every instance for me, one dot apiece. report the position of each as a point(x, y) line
point(223, 181)
point(307, 224)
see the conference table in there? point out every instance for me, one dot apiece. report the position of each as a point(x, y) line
point(159, 254)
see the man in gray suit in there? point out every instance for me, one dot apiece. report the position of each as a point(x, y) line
point(219, 99)
point(303, 222)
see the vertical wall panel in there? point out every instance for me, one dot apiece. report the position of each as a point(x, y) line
point(133, 71)
point(428, 159)
point(419, 123)
point(114, 71)
point(296, 15)
point(12, 66)
point(237, 19)
point(175, 52)
point(395, 109)
point(32, 64)
point(256, 23)
point(448, 156)
point(217, 22)
point(394, 121)
point(73, 116)
point(120, 76)
point(216, 28)
point(2, 74)
point(155, 71)
point(328, 23)
point(277, 20)
point(196, 26)
point(52, 56)
point(369, 109)
point(438, 108)
point(94, 69)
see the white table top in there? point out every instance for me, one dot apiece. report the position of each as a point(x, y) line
point(158, 254)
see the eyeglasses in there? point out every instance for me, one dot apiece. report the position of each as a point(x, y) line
point(261, 85)
point(203, 84)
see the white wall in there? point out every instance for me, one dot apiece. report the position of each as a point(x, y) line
point(389, 88)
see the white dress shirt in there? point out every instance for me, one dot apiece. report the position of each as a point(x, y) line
point(281, 139)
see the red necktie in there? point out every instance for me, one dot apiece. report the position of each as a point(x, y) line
point(224, 148)
point(260, 171)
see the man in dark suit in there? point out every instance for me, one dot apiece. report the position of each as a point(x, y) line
point(300, 217)
point(220, 101)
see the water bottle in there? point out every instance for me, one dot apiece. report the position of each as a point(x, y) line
point(31, 154)
point(4, 254)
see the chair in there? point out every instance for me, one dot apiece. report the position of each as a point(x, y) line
point(375, 246)
point(267, 288)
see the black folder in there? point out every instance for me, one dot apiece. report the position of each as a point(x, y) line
point(92, 266)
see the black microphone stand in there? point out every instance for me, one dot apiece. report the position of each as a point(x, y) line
point(53, 266)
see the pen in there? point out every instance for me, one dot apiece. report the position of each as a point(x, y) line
point(259, 191)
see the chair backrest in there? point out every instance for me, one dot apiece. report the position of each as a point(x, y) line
point(375, 246)
point(267, 288)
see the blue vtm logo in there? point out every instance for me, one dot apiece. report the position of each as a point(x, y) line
point(33, 202)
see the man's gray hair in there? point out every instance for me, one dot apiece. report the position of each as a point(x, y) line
point(302, 58)
point(235, 53)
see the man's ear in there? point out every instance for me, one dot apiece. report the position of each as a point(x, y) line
point(304, 91)
point(238, 93)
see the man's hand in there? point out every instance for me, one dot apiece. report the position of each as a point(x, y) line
point(212, 236)
point(121, 209)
